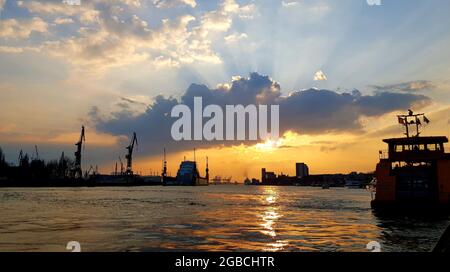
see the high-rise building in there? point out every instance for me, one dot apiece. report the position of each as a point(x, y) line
point(301, 170)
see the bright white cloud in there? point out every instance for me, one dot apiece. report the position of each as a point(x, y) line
point(113, 36)
point(233, 38)
point(221, 20)
point(111, 33)
point(320, 76)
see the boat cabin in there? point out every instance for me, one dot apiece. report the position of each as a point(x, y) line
point(415, 170)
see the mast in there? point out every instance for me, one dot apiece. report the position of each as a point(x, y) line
point(121, 165)
point(36, 152)
point(164, 172)
point(62, 166)
point(207, 169)
point(412, 119)
point(20, 157)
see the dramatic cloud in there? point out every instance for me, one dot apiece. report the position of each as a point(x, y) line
point(319, 111)
point(412, 86)
point(305, 112)
point(111, 34)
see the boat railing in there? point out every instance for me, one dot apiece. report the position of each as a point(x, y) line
point(384, 154)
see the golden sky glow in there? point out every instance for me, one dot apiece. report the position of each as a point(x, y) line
point(65, 66)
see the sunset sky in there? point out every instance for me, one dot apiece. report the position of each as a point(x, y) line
point(340, 71)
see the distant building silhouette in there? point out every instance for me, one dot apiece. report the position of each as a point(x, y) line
point(270, 178)
point(301, 170)
point(267, 176)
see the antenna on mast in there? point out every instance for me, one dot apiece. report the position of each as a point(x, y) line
point(412, 119)
point(36, 151)
point(164, 164)
point(207, 169)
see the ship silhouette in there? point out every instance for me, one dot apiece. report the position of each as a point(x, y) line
point(187, 175)
point(414, 173)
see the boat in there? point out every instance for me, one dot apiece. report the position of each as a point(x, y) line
point(152, 180)
point(414, 174)
point(115, 180)
point(187, 174)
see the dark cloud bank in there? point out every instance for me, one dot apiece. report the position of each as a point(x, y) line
point(306, 112)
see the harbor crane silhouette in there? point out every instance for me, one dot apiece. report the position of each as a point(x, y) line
point(77, 172)
point(129, 156)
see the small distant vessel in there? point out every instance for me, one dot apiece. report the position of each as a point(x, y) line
point(353, 184)
point(218, 180)
point(325, 186)
point(415, 172)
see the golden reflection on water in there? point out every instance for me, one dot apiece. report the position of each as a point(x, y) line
point(213, 218)
point(270, 216)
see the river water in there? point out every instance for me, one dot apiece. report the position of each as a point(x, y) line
point(213, 218)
